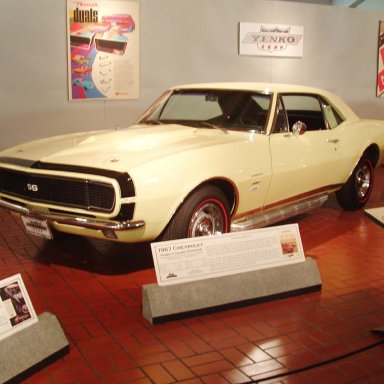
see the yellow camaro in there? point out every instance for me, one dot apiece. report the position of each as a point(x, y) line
point(204, 159)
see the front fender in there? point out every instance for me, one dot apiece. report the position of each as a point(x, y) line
point(162, 186)
point(160, 193)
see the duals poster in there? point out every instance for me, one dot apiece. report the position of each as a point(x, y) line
point(103, 49)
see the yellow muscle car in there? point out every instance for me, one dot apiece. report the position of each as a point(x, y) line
point(204, 159)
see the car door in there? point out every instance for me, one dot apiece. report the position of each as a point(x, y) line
point(304, 147)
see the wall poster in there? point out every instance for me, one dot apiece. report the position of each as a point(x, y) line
point(380, 63)
point(16, 310)
point(271, 40)
point(103, 49)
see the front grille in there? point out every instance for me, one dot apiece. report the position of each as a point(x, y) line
point(64, 191)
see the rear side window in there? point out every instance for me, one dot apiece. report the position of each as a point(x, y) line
point(312, 110)
point(332, 117)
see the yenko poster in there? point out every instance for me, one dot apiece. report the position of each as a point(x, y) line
point(271, 40)
point(380, 63)
point(103, 49)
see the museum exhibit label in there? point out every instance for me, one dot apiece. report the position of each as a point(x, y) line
point(16, 309)
point(199, 258)
point(377, 214)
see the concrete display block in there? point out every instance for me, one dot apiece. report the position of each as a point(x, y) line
point(31, 348)
point(165, 303)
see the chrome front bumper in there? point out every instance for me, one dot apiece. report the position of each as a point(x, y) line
point(83, 222)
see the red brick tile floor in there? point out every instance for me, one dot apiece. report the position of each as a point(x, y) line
point(94, 289)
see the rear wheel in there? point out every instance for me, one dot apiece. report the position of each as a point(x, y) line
point(356, 191)
point(204, 213)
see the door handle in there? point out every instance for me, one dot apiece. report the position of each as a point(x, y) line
point(333, 141)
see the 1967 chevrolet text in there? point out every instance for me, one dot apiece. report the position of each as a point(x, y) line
point(204, 159)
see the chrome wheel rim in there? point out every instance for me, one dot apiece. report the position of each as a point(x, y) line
point(363, 181)
point(208, 219)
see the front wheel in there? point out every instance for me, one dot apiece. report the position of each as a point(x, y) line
point(356, 191)
point(204, 213)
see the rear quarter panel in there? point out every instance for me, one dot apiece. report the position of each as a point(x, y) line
point(355, 138)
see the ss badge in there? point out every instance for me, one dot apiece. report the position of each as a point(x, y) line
point(32, 187)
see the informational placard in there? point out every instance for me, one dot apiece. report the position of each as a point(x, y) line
point(274, 40)
point(103, 49)
point(380, 62)
point(199, 258)
point(16, 310)
point(377, 214)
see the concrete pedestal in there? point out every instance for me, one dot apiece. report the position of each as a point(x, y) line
point(161, 304)
point(32, 348)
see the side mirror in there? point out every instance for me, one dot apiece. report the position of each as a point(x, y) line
point(299, 128)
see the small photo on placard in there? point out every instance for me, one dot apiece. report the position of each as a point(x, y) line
point(289, 243)
point(16, 310)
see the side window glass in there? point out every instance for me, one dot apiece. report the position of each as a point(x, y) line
point(332, 118)
point(281, 123)
point(305, 109)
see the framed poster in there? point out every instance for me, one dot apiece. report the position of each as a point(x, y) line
point(103, 49)
point(380, 62)
point(16, 310)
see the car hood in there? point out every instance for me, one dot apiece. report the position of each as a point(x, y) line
point(118, 149)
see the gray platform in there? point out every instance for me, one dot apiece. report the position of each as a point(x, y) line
point(31, 348)
point(165, 303)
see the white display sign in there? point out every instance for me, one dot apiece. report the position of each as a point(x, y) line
point(199, 258)
point(271, 40)
point(377, 214)
point(16, 310)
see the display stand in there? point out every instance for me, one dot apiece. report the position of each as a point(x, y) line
point(32, 348)
point(376, 214)
point(170, 302)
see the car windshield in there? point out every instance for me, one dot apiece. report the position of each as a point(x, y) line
point(224, 109)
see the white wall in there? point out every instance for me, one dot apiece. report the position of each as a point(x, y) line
point(182, 41)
